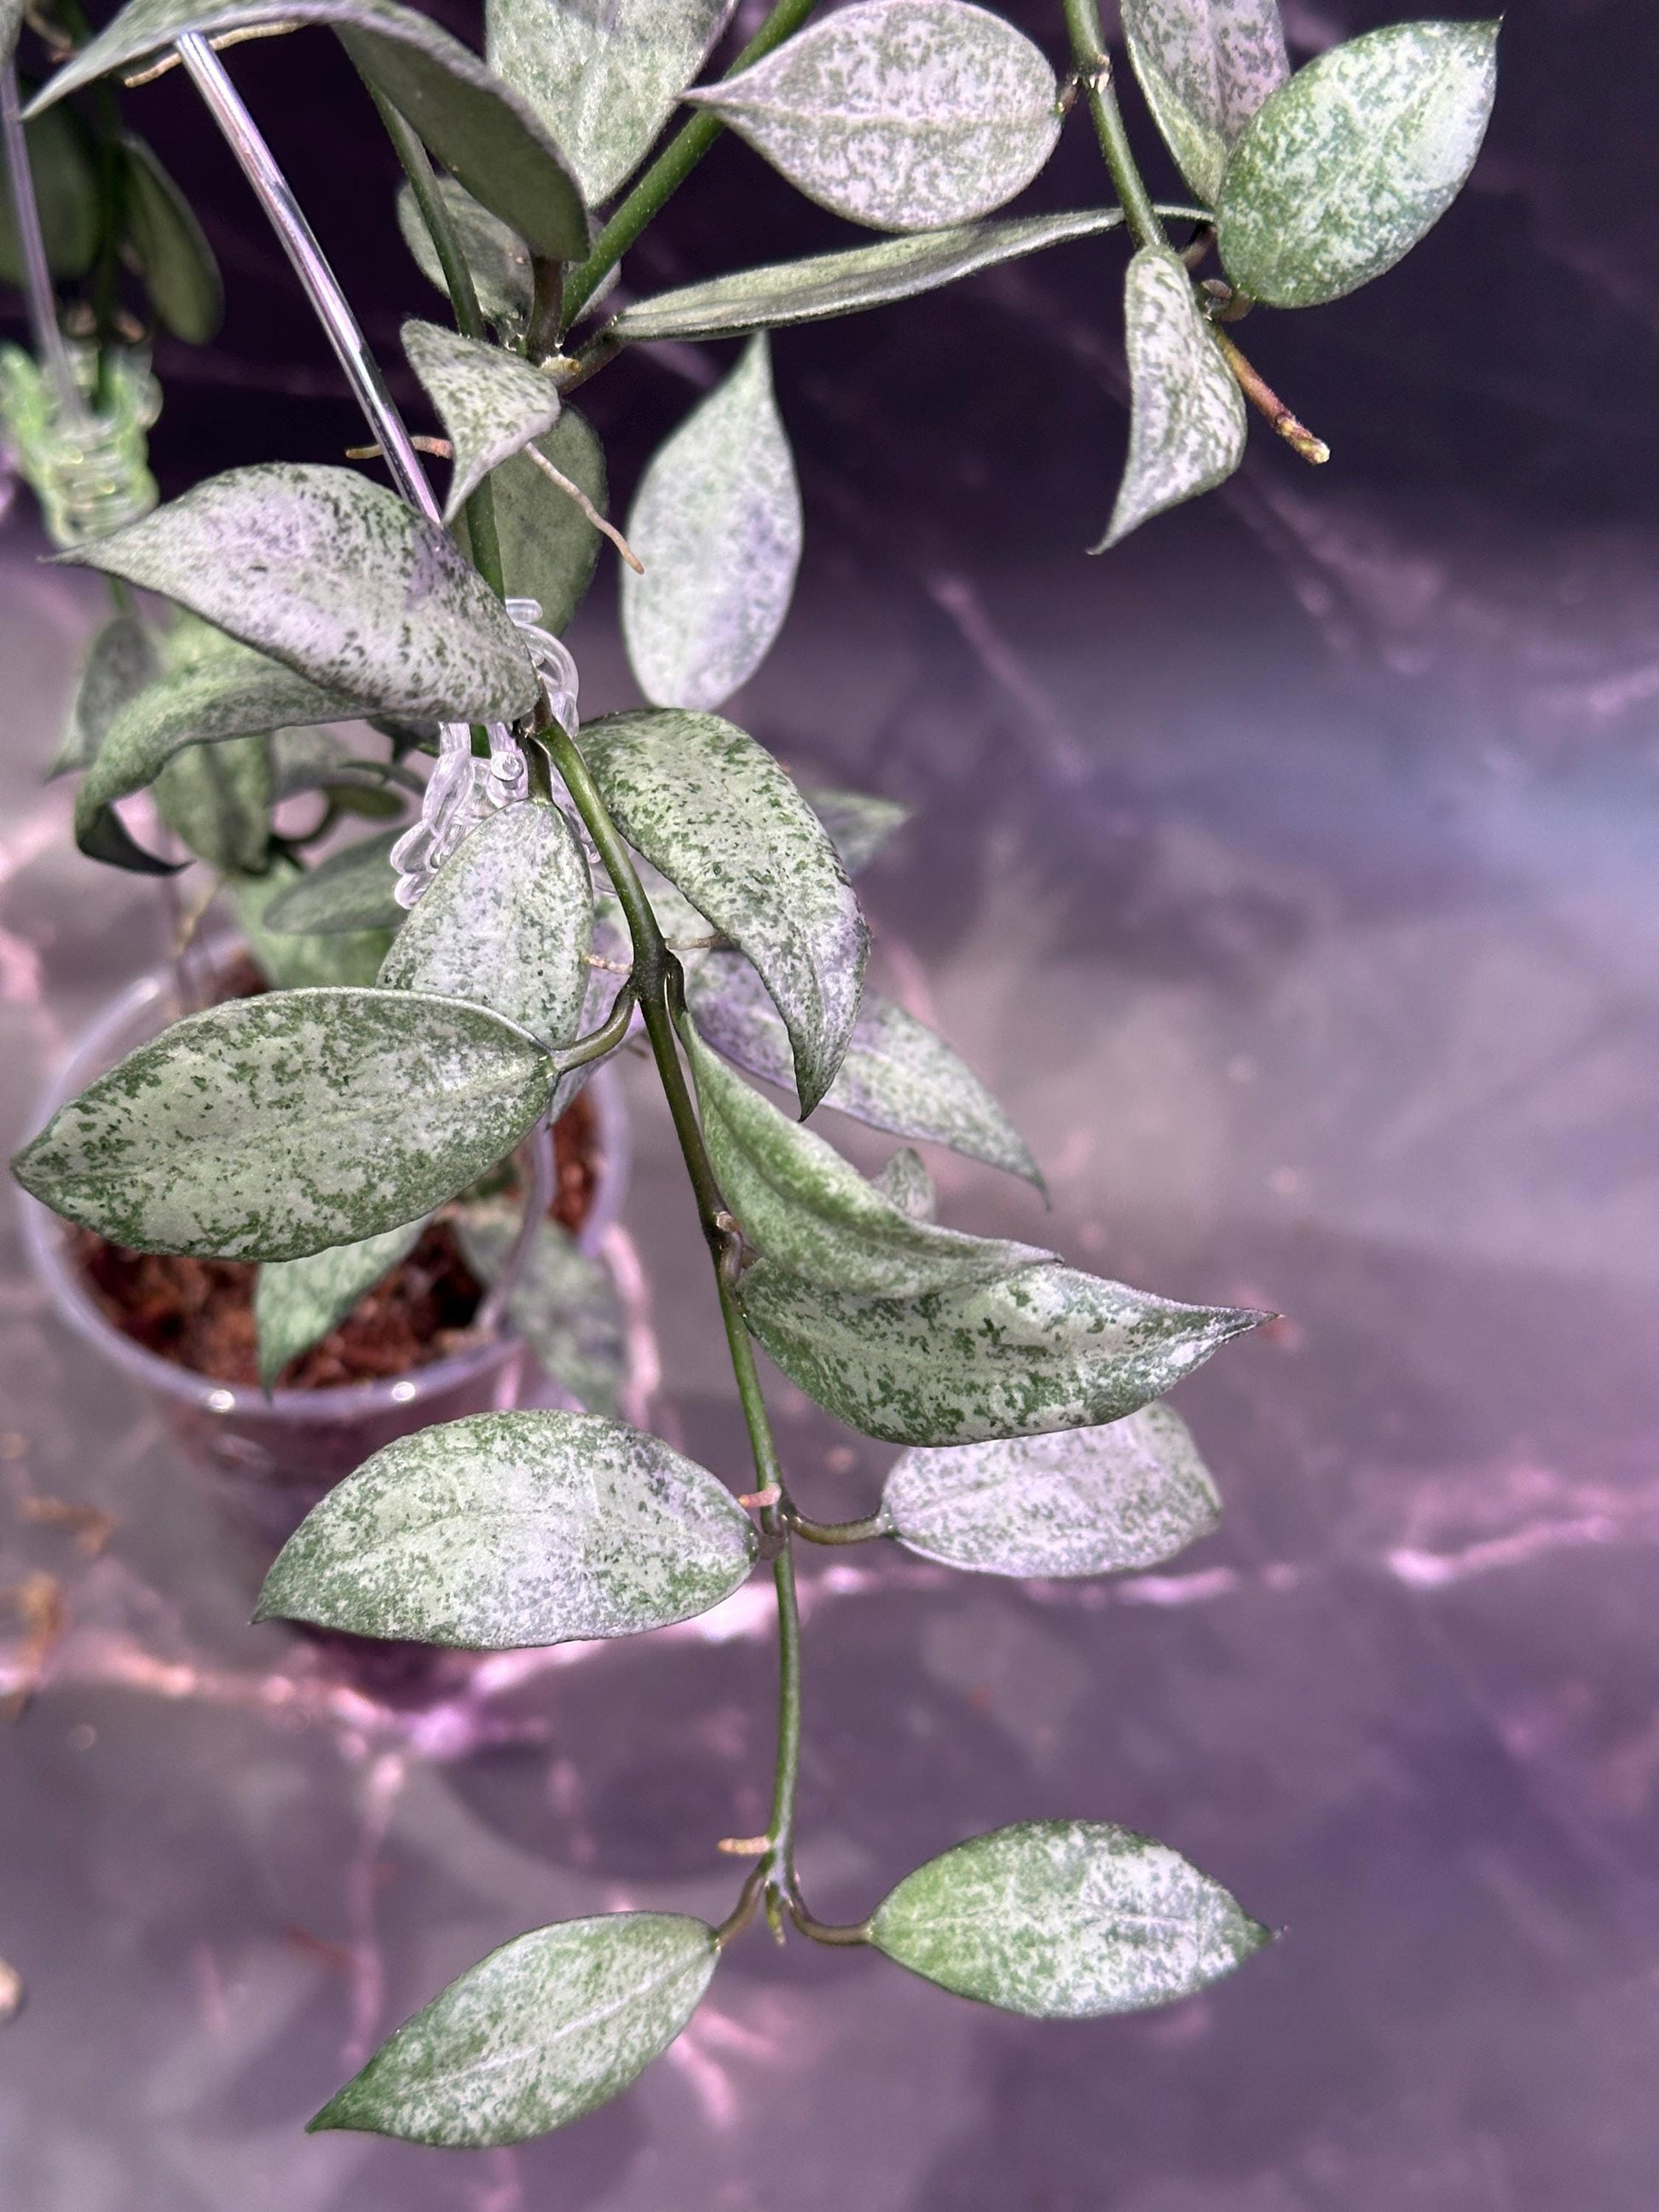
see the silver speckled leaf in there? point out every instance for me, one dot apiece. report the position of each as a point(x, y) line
point(1079, 1502)
point(906, 1181)
point(122, 659)
point(1047, 1348)
point(507, 924)
point(826, 284)
point(509, 1530)
point(218, 800)
point(717, 523)
point(297, 1302)
point(897, 1074)
point(1065, 1920)
point(535, 2035)
point(337, 578)
point(291, 963)
point(1187, 425)
point(498, 257)
point(801, 1204)
point(490, 402)
point(715, 811)
point(351, 890)
point(563, 1304)
point(1206, 66)
point(903, 114)
point(266, 1129)
point(860, 825)
point(479, 127)
point(603, 75)
point(1350, 163)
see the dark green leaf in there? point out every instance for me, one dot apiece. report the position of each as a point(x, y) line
point(859, 823)
point(535, 2034)
point(270, 1128)
point(1047, 1348)
point(291, 963)
point(1348, 165)
point(506, 923)
point(350, 890)
point(66, 191)
point(297, 1302)
point(490, 402)
point(810, 291)
point(122, 659)
point(903, 114)
point(475, 125)
point(715, 811)
point(499, 260)
point(548, 546)
point(1079, 1502)
point(716, 523)
point(564, 1304)
point(217, 800)
point(1206, 66)
point(1065, 1920)
point(512, 1529)
point(338, 578)
point(173, 256)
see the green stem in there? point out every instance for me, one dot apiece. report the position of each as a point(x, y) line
point(669, 170)
point(482, 535)
point(608, 1035)
point(1094, 70)
point(840, 1532)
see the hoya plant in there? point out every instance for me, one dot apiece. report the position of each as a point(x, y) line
point(654, 874)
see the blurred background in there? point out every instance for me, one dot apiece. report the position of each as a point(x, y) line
point(1291, 874)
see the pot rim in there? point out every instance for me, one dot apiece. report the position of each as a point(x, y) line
point(45, 1240)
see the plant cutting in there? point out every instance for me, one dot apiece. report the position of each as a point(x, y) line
point(655, 874)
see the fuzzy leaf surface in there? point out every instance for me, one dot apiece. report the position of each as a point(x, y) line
point(350, 890)
point(291, 963)
point(1206, 66)
point(898, 1074)
point(1187, 425)
point(902, 114)
point(564, 1304)
point(266, 1129)
point(715, 811)
point(604, 78)
point(826, 284)
point(123, 658)
point(801, 1204)
point(510, 1529)
point(218, 799)
point(490, 402)
point(1047, 1348)
point(503, 275)
point(1349, 164)
point(549, 547)
point(1065, 1920)
point(507, 923)
point(338, 578)
point(297, 1302)
point(1078, 1502)
point(478, 126)
point(717, 523)
point(177, 263)
point(538, 2033)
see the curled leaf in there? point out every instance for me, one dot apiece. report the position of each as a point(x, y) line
point(1206, 66)
point(491, 402)
point(1187, 425)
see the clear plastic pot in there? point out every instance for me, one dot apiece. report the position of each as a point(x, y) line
point(279, 1453)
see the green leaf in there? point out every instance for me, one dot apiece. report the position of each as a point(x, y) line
point(173, 254)
point(491, 402)
point(297, 1302)
point(506, 923)
point(1186, 424)
point(535, 2035)
point(498, 257)
point(903, 114)
point(477, 127)
point(1079, 1502)
point(338, 578)
point(549, 547)
point(266, 1129)
point(860, 825)
point(826, 284)
point(313, 759)
point(218, 799)
point(715, 811)
point(291, 963)
point(1348, 165)
point(66, 191)
point(906, 1181)
point(122, 660)
point(1206, 66)
point(799, 1203)
point(350, 890)
point(897, 1074)
point(564, 1304)
point(512, 1529)
point(1047, 1348)
point(1065, 1920)
point(717, 523)
point(604, 78)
